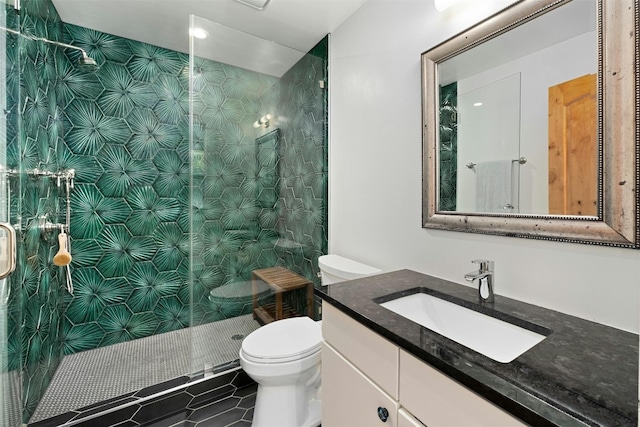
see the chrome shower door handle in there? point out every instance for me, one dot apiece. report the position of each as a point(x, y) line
point(7, 250)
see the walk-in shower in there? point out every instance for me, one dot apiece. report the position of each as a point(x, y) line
point(191, 170)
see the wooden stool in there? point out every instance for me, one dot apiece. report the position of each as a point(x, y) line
point(280, 280)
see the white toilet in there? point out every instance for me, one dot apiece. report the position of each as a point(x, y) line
point(283, 357)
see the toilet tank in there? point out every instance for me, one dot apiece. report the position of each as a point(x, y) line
point(334, 269)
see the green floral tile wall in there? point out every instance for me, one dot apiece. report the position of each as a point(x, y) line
point(258, 196)
point(131, 189)
point(36, 303)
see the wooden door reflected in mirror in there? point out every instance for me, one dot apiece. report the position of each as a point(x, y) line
point(573, 147)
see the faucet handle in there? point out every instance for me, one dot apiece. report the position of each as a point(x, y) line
point(485, 264)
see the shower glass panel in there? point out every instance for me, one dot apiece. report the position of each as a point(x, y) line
point(258, 134)
point(10, 307)
point(124, 326)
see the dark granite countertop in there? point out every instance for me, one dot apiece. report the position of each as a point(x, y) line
point(583, 373)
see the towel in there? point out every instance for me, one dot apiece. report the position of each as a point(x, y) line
point(494, 186)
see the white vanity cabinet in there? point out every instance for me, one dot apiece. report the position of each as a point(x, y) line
point(359, 374)
point(351, 399)
point(362, 371)
point(439, 401)
point(405, 419)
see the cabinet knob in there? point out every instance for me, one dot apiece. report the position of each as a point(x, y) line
point(383, 414)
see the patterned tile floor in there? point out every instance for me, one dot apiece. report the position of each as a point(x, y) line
point(108, 372)
point(176, 402)
point(235, 410)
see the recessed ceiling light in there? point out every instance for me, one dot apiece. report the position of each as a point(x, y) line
point(477, 104)
point(198, 33)
point(256, 4)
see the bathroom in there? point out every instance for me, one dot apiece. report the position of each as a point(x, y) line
point(375, 150)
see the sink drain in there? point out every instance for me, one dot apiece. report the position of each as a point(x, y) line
point(237, 337)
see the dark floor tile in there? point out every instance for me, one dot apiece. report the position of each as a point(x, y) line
point(211, 384)
point(160, 408)
point(214, 406)
point(248, 402)
point(242, 380)
point(105, 402)
point(249, 415)
point(246, 391)
point(185, 424)
point(214, 409)
point(176, 419)
point(223, 419)
point(212, 396)
point(110, 419)
point(106, 407)
point(166, 385)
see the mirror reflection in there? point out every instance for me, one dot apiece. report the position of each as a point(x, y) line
point(518, 128)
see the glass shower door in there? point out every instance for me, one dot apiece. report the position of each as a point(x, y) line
point(10, 340)
point(258, 134)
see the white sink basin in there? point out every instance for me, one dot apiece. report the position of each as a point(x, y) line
point(495, 338)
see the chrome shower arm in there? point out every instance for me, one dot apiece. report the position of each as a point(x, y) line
point(42, 39)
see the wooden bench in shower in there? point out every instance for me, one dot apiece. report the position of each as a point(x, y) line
point(281, 281)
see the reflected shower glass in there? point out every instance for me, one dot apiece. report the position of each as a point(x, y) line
point(488, 140)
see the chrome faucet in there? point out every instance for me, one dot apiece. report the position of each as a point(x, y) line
point(484, 275)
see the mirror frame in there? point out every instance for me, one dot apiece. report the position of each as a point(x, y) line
point(618, 220)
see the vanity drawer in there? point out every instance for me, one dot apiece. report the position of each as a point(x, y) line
point(439, 401)
point(351, 399)
point(374, 355)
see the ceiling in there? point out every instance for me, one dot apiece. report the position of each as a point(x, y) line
point(298, 24)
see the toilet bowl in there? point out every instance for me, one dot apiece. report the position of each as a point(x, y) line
point(283, 357)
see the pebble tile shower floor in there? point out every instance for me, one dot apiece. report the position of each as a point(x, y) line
point(108, 372)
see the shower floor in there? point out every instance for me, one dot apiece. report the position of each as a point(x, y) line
point(93, 376)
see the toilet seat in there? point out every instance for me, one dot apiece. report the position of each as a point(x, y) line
point(283, 341)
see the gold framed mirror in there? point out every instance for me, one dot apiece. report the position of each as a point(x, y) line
point(586, 195)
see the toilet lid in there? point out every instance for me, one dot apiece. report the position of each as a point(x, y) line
point(283, 340)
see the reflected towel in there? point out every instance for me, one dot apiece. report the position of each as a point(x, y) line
point(493, 186)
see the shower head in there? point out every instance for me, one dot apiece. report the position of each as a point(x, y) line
point(86, 63)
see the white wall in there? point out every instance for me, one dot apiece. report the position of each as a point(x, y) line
point(375, 177)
